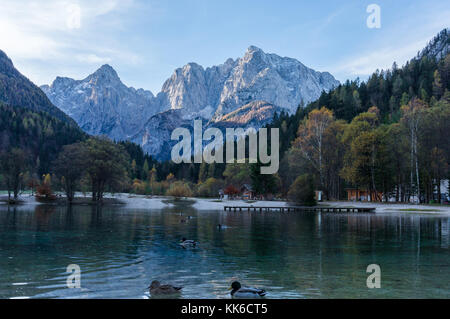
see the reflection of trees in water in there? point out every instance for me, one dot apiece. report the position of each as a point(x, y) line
point(42, 215)
point(387, 226)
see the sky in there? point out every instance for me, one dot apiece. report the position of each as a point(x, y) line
point(146, 40)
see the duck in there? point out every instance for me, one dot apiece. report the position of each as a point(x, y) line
point(188, 243)
point(237, 291)
point(157, 289)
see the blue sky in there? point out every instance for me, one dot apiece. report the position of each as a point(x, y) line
point(146, 40)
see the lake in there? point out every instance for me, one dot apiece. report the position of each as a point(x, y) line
point(291, 255)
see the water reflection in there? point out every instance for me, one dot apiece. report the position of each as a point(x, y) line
point(292, 255)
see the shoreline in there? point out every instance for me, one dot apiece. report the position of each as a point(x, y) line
point(132, 201)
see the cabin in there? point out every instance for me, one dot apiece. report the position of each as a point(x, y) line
point(359, 195)
point(247, 192)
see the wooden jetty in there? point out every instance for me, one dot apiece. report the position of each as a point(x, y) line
point(282, 209)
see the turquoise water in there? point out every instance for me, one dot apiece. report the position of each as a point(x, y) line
point(291, 255)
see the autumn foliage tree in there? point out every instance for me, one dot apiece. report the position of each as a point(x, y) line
point(231, 191)
point(413, 114)
point(310, 140)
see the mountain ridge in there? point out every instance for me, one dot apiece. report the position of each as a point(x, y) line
point(18, 91)
point(103, 105)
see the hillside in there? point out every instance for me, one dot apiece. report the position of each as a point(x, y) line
point(39, 134)
point(16, 90)
point(426, 76)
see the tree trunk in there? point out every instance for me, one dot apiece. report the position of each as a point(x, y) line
point(417, 168)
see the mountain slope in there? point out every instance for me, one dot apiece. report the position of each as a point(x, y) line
point(16, 90)
point(40, 135)
point(438, 48)
point(101, 104)
point(254, 114)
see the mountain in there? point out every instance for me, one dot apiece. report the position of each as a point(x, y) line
point(154, 138)
point(438, 48)
point(253, 114)
point(101, 104)
point(17, 91)
point(218, 90)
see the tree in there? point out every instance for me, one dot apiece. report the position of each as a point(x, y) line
point(237, 174)
point(70, 166)
point(12, 165)
point(202, 174)
point(263, 184)
point(44, 191)
point(412, 117)
point(179, 189)
point(145, 170)
point(210, 187)
point(231, 191)
point(153, 179)
point(365, 152)
point(33, 183)
point(106, 165)
point(170, 178)
point(302, 190)
point(311, 136)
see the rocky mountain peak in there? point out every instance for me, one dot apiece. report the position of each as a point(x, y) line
point(105, 74)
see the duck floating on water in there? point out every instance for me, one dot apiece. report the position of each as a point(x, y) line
point(156, 289)
point(237, 291)
point(185, 243)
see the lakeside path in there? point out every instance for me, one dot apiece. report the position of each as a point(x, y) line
point(159, 202)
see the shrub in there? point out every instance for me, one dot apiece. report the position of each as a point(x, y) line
point(179, 189)
point(210, 188)
point(302, 191)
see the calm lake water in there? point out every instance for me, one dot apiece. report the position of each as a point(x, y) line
point(291, 255)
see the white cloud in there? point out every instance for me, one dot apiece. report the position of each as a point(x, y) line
point(92, 59)
point(45, 30)
point(400, 46)
point(380, 58)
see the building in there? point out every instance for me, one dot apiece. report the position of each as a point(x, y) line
point(247, 192)
point(359, 195)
